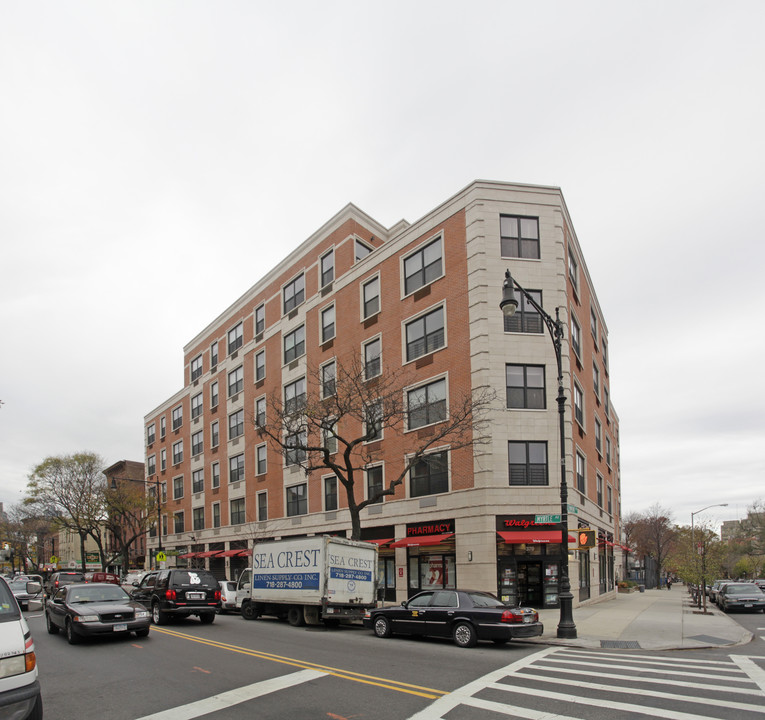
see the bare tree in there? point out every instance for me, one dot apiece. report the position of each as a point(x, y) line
point(652, 535)
point(69, 489)
point(130, 512)
point(336, 421)
point(22, 529)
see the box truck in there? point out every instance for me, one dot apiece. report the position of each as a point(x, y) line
point(309, 580)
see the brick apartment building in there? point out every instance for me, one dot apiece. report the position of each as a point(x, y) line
point(425, 297)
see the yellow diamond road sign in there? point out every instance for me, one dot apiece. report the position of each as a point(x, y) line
point(161, 557)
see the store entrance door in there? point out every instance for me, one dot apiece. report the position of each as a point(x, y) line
point(530, 583)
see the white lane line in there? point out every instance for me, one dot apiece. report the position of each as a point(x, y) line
point(462, 696)
point(224, 700)
point(754, 671)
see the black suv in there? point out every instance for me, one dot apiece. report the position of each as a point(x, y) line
point(63, 577)
point(176, 592)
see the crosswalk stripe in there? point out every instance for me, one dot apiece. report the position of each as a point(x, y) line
point(652, 693)
point(646, 659)
point(655, 681)
point(615, 666)
point(754, 671)
point(599, 702)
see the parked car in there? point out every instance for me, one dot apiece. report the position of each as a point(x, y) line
point(133, 577)
point(227, 596)
point(714, 588)
point(19, 686)
point(466, 616)
point(58, 579)
point(102, 577)
point(87, 609)
point(20, 587)
point(740, 596)
point(179, 593)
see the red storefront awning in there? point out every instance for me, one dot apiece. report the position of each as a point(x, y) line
point(380, 542)
point(233, 553)
point(243, 553)
point(209, 553)
point(421, 540)
point(185, 556)
point(533, 537)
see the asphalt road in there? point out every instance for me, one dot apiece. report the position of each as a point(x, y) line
point(337, 673)
point(266, 669)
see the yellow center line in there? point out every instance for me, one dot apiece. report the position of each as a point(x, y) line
point(408, 688)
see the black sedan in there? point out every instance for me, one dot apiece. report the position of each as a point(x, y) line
point(82, 610)
point(740, 596)
point(466, 616)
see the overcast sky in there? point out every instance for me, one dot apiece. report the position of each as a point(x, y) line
point(157, 158)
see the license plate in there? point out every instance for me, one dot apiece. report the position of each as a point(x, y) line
point(122, 627)
point(747, 604)
point(195, 596)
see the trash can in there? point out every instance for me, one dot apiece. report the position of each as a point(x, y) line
point(641, 588)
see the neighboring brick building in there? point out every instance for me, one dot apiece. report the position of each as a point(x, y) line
point(425, 296)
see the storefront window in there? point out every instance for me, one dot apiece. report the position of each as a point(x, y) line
point(436, 572)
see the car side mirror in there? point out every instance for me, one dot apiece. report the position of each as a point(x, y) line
point(57, 600)
point(33, 587)
point(135, 583)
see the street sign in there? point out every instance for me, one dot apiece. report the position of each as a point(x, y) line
point(573, 509)
point(546, 519)
point(161, 557)
point(53, 559)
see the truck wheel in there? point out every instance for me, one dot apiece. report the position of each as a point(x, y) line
point(249, 611)
point(295, 616)
point(464, 635)
point(207, 618)
point(382, 626)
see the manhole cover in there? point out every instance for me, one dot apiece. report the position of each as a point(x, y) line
point(629, 644)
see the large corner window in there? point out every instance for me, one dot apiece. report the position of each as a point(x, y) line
point(527, 463)
point(525, 386)
point(526, 319)
point(519, 237)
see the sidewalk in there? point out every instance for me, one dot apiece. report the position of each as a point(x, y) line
point(654, 619)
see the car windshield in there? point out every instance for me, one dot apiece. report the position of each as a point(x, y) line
point(9, 610)
point(484, 600)
point(85, 594)
point(741, 589)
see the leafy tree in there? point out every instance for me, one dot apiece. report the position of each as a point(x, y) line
point(69, 489)
point(334, 422)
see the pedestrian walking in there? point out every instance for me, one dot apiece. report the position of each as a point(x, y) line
point(669, 583)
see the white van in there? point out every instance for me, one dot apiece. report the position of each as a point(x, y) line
point(20, 697)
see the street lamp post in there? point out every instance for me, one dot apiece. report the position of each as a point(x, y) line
point(509, 304)
point(693, 550)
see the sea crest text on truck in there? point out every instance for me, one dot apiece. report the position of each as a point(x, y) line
point(350, 561)
point(286, 559)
